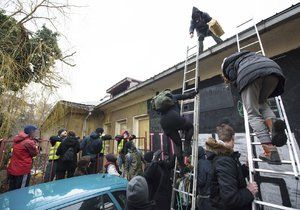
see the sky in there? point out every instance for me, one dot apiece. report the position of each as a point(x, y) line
point(137, 38)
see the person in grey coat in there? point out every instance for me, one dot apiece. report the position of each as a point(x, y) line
point(258, 78)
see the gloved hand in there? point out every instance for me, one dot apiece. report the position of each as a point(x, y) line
point(156, 155)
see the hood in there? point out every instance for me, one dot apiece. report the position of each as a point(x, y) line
point(201, 153)
point(94, 135)
point(137, 191)
point(70, 141)
point(229, 62)
point(20, 137)
point(217, 147)
point(196, 12)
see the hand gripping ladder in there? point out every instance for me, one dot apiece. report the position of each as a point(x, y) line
point(255, 45)
point(190, 83)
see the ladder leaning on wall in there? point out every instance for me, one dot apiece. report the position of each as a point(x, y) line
point(255, 45)
point(190, 83)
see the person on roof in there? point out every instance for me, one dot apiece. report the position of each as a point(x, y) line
point(199, 22)
point(24, 149)
point(258, 78)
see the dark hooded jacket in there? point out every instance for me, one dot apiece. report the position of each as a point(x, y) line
point(199, 21)
point(91, 145)
point(69, 142)
point(242, 68)
point(229, 188)
point(137, 195)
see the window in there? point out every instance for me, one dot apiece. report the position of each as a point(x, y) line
point(120, 196)
point(102, 202)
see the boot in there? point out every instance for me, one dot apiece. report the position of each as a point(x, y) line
point(279, 137)
point(270, 155)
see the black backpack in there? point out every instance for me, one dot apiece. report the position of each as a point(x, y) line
point(69, 155)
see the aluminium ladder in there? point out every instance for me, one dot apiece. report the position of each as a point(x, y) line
point(190, 83)
point(256, 46)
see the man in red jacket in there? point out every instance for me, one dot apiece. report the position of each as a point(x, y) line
point(24, 149)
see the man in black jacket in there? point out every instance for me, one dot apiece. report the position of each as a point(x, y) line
point(69, 147)
point(229, 190)
point(258, 78)
point(158, 175)
point(171, 122)
point(199, 22)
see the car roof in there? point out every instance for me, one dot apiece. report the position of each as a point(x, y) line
point(60, 191)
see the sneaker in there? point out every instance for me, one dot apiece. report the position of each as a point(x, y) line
point(271, 155)
point(279, 137)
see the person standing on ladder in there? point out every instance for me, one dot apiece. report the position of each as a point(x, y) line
point(171, 122)
point(258, 78)
point(200, 22)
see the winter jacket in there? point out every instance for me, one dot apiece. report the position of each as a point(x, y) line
point(158, 176)
point(204, 177)
point(69, 142)
point(91, 145)
point(24, 149)
point(112, 168)
point(229, 188)
point(133, 164)
point(242, 68)
point(199, 21)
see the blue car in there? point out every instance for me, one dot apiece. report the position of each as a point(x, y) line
point(91, 192)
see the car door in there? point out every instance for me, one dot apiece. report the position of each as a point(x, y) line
point(120, 197)
point(99, 202)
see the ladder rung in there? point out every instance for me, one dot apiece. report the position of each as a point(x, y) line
point(247, 37)
point(274, 172)
point(258, 52)
point(183, 192)
point(191, 174)
point(256, 143)
point(273, 205)
point(248, 45)
point(188, 80)
point(189, 71)
point(282, 161)
point(188, 90)
point(187, 101)
point(188, 112)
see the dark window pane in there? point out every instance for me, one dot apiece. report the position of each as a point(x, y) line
point(102, 202)
point(120, 196)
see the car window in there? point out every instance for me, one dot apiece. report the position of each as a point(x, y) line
point(102, 202)
point(120, 196)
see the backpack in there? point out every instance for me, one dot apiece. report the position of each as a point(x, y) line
point(163, 101)
point(69, 155)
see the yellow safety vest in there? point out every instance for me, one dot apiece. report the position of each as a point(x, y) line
point(52, 152)
point(121, 145)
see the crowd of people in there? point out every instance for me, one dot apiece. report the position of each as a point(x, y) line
point(221, 179)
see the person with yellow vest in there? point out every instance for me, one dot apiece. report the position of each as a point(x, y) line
point(55, 141)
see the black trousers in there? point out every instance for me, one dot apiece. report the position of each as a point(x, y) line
point(16, 182)
point(62, 173)
point(171, 123)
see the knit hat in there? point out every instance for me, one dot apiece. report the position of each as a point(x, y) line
point(111, 158)
point(99, 130)
point(148, 156)
point(29, 129)
point(137, 191)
